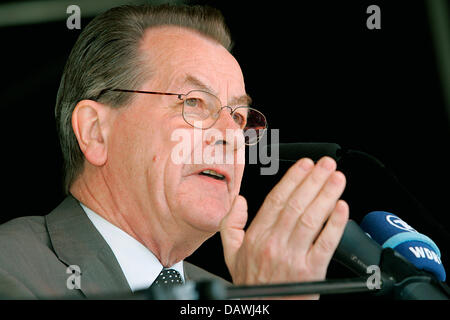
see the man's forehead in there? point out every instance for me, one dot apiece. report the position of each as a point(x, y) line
point(187, 59)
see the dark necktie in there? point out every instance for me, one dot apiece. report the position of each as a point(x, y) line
point(167, 278)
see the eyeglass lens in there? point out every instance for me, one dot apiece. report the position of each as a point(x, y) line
point(202, 109)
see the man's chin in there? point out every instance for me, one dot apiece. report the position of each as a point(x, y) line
point(207, 219)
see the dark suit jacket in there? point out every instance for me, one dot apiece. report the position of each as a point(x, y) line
point(35, 252)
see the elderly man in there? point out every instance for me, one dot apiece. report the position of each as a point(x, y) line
point(132, 215)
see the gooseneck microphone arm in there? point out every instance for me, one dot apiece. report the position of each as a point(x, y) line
point(347, 159)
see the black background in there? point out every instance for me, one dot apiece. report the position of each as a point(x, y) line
point(317, 73)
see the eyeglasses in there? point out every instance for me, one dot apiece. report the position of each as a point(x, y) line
point(201, 110)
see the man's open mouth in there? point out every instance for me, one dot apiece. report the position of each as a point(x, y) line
point(213, 174)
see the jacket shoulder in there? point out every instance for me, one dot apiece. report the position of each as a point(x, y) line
point(24, 224)
point(29, 266)
point(23, 230)
point(22, 238)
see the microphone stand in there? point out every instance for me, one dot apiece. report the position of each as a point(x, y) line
point(216, 290)
point(340, 286)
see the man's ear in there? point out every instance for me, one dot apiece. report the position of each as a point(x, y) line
point(90, 124)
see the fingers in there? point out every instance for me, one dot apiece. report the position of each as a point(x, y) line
point(310, 222)
point(276, 199)
point(314, 201)
point(232, 229)
point(328, 240)
point(302, 197)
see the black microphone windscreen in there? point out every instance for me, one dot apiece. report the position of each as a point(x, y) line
point(356, 250)
point(314, 150)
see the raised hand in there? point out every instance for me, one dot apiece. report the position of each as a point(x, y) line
point(296, 231)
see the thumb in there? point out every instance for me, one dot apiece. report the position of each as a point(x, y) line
point(232, 230)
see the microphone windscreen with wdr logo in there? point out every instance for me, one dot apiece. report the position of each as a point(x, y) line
point(392, 232)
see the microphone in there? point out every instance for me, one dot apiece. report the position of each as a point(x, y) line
point(291, 152)
point(356, 250)
point(399, 276)
point(390, 231)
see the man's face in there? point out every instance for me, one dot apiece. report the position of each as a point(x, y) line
point(141, 166)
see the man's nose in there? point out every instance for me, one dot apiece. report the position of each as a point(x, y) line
point(224, 123)
point(225, 119)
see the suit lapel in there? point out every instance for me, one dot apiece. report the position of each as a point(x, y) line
point(77, 242)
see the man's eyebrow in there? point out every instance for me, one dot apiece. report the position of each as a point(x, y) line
point(197, 84)
point(244, 100)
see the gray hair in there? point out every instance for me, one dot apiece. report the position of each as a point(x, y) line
point(106, 55)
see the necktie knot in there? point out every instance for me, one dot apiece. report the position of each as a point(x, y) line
point(167, 278)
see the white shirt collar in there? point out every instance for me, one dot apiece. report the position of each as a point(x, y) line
point(139, 264)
